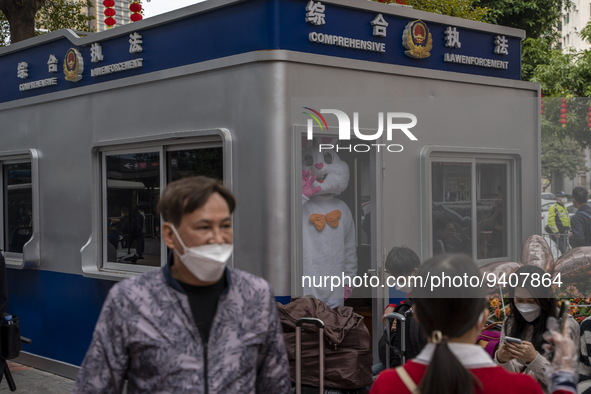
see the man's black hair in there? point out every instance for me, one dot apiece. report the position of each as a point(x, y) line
point(402, 261)
point(580, 194)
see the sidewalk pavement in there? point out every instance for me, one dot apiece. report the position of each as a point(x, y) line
point(29, 380)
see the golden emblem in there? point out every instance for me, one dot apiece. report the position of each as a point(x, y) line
point(417, 39)
point(73, 65)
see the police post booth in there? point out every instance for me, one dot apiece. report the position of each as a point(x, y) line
point(428, 112)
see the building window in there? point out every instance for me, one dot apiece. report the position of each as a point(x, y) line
point(451, 191)
point(18, 206)
point(132, 182)
point(469, 207)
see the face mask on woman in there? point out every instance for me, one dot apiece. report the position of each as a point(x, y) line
point(530, 312)
point(206, 262)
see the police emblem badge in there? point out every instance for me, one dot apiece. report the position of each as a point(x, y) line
point(73, 65)
point(417, 39)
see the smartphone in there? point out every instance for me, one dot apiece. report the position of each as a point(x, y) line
point(563, 314)
point(513, 340)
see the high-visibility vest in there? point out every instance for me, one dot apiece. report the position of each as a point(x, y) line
point(558, 218)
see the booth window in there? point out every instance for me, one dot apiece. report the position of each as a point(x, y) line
point(18, 205)
point(469, 207)
point(132, 182)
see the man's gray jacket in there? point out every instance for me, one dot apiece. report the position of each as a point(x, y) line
point(146, 335)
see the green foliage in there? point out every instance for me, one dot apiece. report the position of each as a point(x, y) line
point(586, 32)
point(561, 146)
point(566, 75)
point(559, 75)
point(459, 8)
point(575, 129)
point(560, 156)
point(63, 14)
point(4, 31)
point(464, 9)
point(534, 52)
point(537, 17)
point(54, 15)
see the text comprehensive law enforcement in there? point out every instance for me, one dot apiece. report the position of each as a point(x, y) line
point(113, 68)
point(432, 282)
point(37, 84)
point(340, 41)
point(475, 61)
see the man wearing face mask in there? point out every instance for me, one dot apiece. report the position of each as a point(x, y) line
point(559, 222)
point(196, 325)
point(531, 306)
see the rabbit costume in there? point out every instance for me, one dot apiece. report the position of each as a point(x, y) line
point(328, 226)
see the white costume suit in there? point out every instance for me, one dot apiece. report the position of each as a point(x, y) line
point(332, 250)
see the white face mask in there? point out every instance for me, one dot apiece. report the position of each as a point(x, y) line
point(206, 262)
point(530, 312)
point(562, 200)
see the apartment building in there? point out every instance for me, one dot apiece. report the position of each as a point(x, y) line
point(573, 21)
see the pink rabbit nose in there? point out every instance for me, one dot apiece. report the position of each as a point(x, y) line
point(319, 165)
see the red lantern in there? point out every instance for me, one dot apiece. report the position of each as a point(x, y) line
point(109, 13)
point(136, 9)
point(563, 111)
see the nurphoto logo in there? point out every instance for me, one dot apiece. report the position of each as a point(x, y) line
point(395, 121)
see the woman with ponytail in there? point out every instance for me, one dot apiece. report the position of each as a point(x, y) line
point(452, 316)
point(531, 306)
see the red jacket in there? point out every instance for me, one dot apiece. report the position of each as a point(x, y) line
point(494, 379)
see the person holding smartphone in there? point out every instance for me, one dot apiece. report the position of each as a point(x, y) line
point(451, 362)
point(532, 304)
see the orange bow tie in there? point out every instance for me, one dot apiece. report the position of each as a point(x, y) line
point(332, 218)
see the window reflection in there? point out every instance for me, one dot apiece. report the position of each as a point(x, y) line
point(133, 184)
point(189, 162)
point(491, 210)
point(452, 207)
point(18, 207)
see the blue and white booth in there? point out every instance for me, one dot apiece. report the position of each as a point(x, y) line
point(439, 134)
